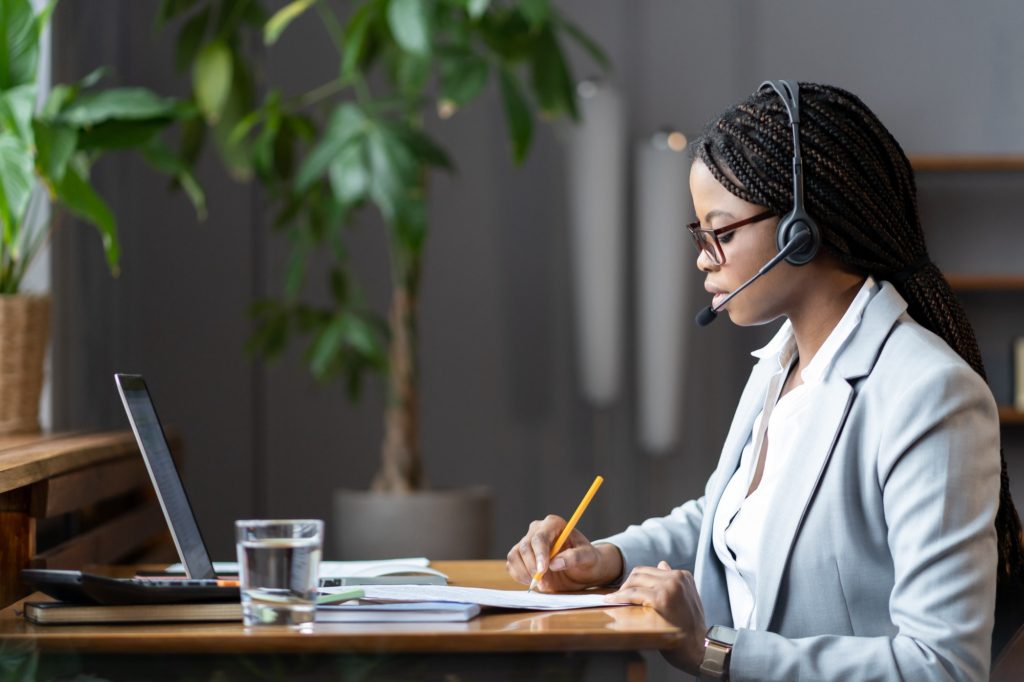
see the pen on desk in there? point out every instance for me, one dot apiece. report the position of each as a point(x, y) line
point(557, 547)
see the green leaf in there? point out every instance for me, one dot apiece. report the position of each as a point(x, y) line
point(507, 32)
point(476, 8)
point(190, 38)
point(19, 44)
point(410, 227)
point(356, 39)
point(116, 134)
point(160, 156)
point(393, 171)
point(347, 123)
point(327, 346)
point(410, 25)
point(552, 81)
point(43, 18)
point(79, 197)
point(349, 175)
point(295, 272)
point(55, 143)
point(585, 41)
point(411, 73)
point(463, 77)
point(422, 146)
point(16, 111)
point(15, 184)
point(120, 103)
point(239, 102)
point(193, 134)
point(272, 328)
point(535, 11)
point(211, 78)
point(339, 285)
point(517, 115)
point(284, 16)
point(169, 9)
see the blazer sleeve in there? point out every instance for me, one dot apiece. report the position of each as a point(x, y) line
point(938, 469)
point(672, 538)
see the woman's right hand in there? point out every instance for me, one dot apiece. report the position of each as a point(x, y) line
point(577, 566)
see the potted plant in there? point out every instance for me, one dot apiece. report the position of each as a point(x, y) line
point(360, 140)
point(46, 151)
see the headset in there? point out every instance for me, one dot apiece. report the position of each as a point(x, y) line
point(797, 236)
point(797, 220)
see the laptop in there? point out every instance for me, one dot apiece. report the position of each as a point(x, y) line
point(201, 582)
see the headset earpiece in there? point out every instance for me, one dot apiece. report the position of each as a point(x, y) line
point(797, 220)
point(791, 225)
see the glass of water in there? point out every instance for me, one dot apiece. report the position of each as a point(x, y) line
point(278, 563)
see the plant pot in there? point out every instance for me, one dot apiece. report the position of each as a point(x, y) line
point(437, 524)
point(24, 326)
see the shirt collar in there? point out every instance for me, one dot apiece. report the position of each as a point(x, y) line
point(783, 344)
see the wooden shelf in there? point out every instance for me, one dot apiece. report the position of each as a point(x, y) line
point(1003, 282)
point(1010, 415)
point(967, 163)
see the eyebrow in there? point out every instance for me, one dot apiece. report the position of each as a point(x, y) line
point(715, 213)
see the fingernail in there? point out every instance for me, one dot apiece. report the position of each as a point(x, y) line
point(539, 568)
point(557, 565)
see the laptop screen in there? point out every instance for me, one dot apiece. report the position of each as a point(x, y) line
point(169, 490)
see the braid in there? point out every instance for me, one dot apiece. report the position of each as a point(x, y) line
point(860, 188)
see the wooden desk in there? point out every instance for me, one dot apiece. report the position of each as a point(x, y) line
point(67, 500)
point(586, 644)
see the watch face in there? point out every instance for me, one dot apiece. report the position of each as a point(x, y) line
point(720, 633)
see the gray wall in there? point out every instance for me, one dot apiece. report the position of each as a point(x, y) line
point(500, 404)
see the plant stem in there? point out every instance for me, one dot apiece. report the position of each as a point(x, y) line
point(319, 93)
point(332, 25)
point(401, 466)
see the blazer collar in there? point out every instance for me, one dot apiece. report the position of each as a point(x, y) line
point(854, 361)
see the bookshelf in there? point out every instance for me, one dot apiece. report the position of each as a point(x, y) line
point(976, 282)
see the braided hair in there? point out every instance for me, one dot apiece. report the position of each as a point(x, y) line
point(859, 185)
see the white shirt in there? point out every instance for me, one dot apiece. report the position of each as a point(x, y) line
point(739, 519)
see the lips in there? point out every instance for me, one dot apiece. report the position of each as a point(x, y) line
point(717, 294)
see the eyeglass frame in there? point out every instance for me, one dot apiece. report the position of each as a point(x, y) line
point(698, 243)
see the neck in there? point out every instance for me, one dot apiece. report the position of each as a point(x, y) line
point(820, 312)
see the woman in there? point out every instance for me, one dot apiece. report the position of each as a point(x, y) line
point(859, 516)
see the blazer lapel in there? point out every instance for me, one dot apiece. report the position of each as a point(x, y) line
point(811, 453)
point(708, 572)
point(814, 449)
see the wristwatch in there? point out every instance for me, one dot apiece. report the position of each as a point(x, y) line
point(718, 644)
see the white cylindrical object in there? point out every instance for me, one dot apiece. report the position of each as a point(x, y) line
point(662, 259)
point(596, 164)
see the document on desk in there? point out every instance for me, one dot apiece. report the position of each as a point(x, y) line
point(507, 599)
point(341, 569)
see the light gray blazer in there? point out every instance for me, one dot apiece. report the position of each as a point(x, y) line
point(880, 556)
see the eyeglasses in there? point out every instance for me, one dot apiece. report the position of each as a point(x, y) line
point(708, 240)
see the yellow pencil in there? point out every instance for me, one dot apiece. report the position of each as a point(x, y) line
point(568, 528)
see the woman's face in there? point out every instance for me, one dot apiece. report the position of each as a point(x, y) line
point(746, 250)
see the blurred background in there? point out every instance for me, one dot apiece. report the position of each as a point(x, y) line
point(504, 399)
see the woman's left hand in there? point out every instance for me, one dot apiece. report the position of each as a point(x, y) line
point(673, 594)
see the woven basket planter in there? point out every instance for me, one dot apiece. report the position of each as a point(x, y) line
point(24, 325)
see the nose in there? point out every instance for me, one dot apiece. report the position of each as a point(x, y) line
point(705, 262)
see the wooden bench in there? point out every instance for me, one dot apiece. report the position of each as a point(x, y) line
point(70, 500)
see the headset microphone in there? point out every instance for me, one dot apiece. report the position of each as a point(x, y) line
point(708, 315)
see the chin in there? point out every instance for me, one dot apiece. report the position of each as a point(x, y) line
point(745, 318)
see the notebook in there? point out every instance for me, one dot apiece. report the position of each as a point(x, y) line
point(61, 613)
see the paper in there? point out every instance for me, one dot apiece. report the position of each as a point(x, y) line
point(507, 599)
point(337, 569)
